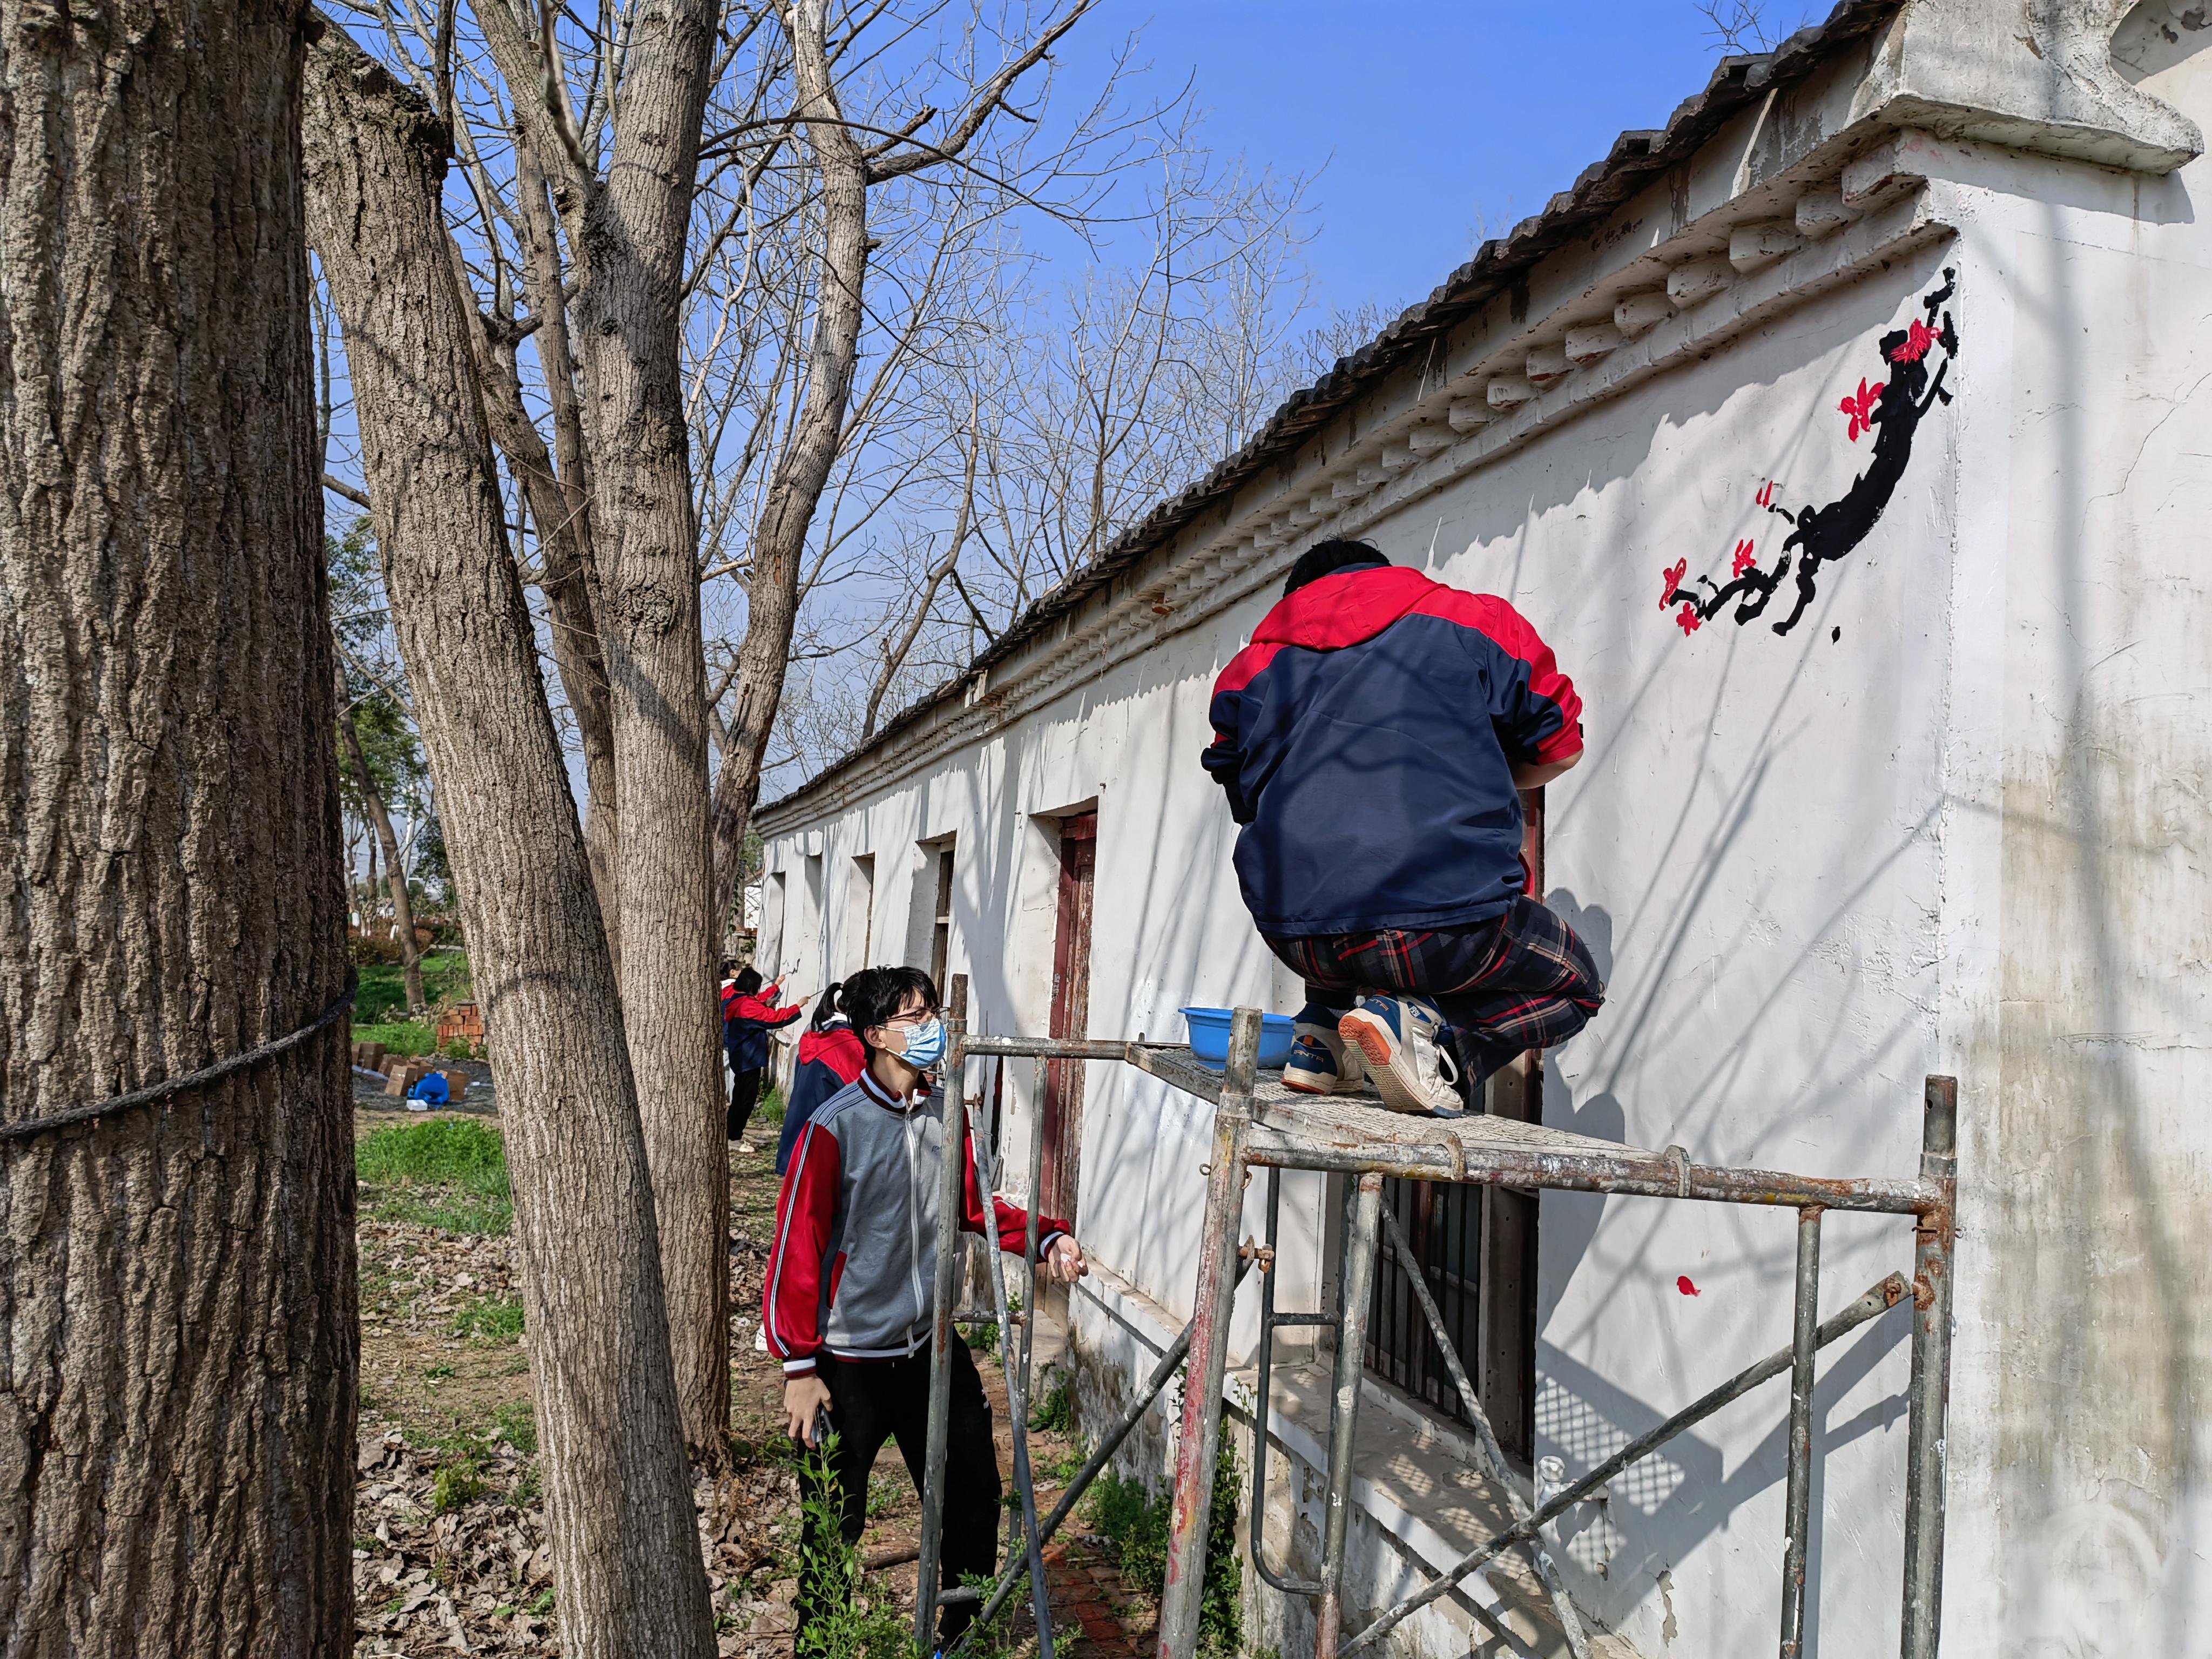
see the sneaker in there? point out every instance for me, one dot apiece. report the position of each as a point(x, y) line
point(1323, 1063)
point(1406, 1046)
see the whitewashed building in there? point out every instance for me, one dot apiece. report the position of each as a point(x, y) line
point(1911, 323)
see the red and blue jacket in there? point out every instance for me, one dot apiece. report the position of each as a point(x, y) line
point(1365, 739)
point(746, 1022)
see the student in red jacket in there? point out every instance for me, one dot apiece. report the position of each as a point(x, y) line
point(748, 1014)
point(850, 1275)
point(829, 1057)
point(1372, 740)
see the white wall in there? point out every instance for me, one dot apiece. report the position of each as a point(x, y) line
point(1954, 822)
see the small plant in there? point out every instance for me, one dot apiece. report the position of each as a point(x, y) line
point(460, 1481)
point(1054, 1414)
point(493, 1319)
point(530, 1491)
point(983, 1337)
point(542, 1603)
point(839, 1626)
point(444, 1368)
point(1135, 1523)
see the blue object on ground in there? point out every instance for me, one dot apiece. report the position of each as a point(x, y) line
point(1209, 1038)
point(432, 1091)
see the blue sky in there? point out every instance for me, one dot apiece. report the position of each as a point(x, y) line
point(1422, 119)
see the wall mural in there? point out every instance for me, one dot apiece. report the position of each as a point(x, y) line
point(1891, 409)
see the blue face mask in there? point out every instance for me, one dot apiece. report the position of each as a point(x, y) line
point(924, 1044)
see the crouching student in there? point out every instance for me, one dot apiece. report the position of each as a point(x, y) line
point(853, 1269)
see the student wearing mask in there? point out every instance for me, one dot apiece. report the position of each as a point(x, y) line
point(851, 1271)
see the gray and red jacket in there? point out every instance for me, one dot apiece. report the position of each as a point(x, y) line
point(853, 1266)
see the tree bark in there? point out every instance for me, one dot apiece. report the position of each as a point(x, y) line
point(646, 533)
point(627, 1570)
point(177, 1293)
point(803, 470)
point(403, 913)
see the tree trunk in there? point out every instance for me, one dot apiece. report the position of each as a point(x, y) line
point(403, 913)
point(645, 539)
point(560, 505)
point(803, 470)
point(627, 1569)
point(177, 1295)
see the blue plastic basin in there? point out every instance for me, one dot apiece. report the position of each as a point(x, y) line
point(1209, 1038)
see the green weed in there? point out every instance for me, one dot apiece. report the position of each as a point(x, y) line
point(460, 1481)
point(1054, 1414)
point(516, 1423)
point(1135, 1523)
point(842, 1627)
point(443, 1368)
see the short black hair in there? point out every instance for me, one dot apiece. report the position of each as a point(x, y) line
point(872, 996)
point(747, 981)
point(1327, 558)
point(826, 1009)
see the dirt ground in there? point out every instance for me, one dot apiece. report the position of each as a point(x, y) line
point(450, 1548)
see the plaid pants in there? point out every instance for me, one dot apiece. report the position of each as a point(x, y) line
point(1521, 982)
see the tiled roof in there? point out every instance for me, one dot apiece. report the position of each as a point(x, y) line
point(1736, 83)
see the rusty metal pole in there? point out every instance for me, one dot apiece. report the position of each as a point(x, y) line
point(952, 1096)
point(1359, 1252)
point(1798, 1510)
point(1197, 1451)
point(1930, 1389)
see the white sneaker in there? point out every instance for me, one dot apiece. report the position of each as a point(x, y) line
point(759, 1340)
point(1402, 1039)
point(1323, 1063)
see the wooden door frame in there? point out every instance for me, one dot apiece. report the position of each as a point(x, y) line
point(1060, 1110)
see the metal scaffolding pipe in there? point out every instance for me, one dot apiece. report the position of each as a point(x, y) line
point(1879, 1300)
point(1359, 1253)
point(1493, 1454)
point(1197, 1451)
point(1270, 1321)
point(1930, 1385)
point(1798, 1507)
point(940, 1336)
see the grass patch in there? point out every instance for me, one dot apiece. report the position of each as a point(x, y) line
point(382, 995)
point(449, 1173)
point(1056, 1413)
point(406, 1038)
point(852, 1624)
point(492, 1319)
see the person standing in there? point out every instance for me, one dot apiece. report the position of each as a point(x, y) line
point(830, 1055)
point(847, 1295)
point(1372, 741)
point(748, 1014)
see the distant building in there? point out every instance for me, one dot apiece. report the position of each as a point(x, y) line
point(1849, 440)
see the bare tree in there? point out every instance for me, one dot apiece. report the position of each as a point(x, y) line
point(1740, 27)
point(626, 1567)
point(847, 170)
point(371, 802)
point(176, 1274)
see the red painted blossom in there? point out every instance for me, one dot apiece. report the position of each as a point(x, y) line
point(1918, 338)
point(1687, 1288)
point(1861, 408)
point(1689, 619)
point(1674, 581)
point(1766, 493)
point(1745, 559)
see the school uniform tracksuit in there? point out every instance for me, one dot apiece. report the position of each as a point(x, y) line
point(828, 1060)
point(849, 1296)
point(746, 1022)
point(1365, 740)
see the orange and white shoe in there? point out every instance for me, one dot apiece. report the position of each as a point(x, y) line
point(1406, 1045)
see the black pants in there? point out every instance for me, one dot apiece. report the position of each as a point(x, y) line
point(744, 1093)
point(872, 1402)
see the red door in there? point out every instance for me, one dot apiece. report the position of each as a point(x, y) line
point(1071, 1012)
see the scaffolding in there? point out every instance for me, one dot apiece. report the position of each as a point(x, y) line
point(1258, 1124)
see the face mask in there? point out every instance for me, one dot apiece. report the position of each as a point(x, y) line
point(924, 1044)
